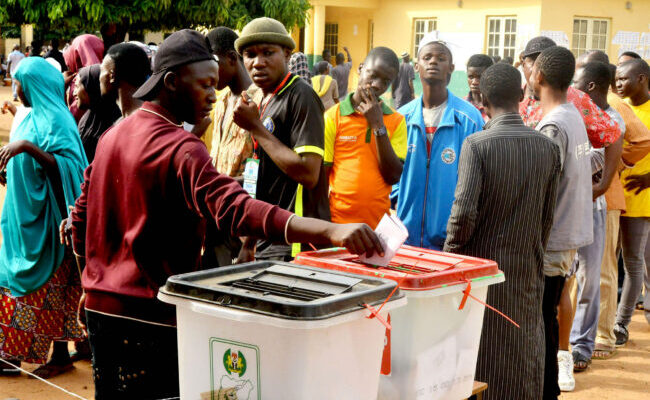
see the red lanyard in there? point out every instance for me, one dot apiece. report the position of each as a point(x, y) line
point(263, 108)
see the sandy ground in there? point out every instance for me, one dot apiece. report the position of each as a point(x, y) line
point(625, 376)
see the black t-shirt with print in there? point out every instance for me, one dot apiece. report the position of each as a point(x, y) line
point(294, 116)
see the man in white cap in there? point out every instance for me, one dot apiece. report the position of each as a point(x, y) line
point(437, 122)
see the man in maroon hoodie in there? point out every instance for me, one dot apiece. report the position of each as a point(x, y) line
point(141, 218)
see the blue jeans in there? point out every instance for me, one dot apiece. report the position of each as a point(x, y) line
point(590, 257)
point(634, 235)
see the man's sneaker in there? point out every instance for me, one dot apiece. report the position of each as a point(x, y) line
point(565, 377)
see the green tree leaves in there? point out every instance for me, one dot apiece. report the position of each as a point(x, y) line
point(89, 15)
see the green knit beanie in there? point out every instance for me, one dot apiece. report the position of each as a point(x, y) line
point(264, 30)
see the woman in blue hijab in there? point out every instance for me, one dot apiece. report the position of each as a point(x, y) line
point(39, 280)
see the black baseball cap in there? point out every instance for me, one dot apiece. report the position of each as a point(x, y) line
point(537, 44)
point(180, 48)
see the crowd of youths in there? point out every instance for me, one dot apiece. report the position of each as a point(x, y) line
point(227, 148)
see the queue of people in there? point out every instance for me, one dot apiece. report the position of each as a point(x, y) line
point(539, 179)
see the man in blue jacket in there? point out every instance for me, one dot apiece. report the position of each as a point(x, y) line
point(437, 122)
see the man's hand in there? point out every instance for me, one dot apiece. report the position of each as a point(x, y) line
point(9, 151)
point(246, 115)
point(65, 229)
point(597, 190)
point(199, 129)
point(357, 238)
point(370, 108)
point(638, 183)
point(9, 106)
point(247, 252)
point(64, 233)
point(68, 77)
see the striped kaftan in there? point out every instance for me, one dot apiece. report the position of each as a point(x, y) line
point(503, 211)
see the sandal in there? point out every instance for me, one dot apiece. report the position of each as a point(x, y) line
point(580, 362)
point(604, 354)
point(622, 335)
point(48, 371)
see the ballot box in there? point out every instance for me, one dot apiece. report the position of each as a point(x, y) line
point(432, 349)
point(274, 330)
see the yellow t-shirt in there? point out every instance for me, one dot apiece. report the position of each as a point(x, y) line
point(358, 192)
point(638, 205)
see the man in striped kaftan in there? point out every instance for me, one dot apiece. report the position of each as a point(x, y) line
point(503, 211)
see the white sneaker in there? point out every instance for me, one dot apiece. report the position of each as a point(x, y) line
point(565, 377)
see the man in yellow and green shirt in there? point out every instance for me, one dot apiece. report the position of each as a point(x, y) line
point(365, 145)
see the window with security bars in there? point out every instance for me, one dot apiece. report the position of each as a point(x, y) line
point(589, 34)
point(332, 38)
point(422, 26)
point(501, 36)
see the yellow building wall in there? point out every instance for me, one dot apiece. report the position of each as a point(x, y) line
point(394, 20)
point(353, 31)
point(557, 15)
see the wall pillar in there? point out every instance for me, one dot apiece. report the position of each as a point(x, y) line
point(26, 35)
point(319, 32)
point(309, 37)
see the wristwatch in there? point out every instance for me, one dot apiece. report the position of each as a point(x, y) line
point(380, 132)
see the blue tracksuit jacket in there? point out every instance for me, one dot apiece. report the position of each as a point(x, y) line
point(425, 192)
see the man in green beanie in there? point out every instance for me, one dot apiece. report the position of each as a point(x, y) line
point(287, 128)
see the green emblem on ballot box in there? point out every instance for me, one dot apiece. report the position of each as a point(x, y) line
point(234, 362)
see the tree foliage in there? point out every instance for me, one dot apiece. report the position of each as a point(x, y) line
point(91, 15)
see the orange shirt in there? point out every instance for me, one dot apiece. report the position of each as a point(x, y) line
point(358, 192)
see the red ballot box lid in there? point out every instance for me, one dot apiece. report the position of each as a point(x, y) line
point(413, 267)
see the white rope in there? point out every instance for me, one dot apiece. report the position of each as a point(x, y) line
point(59, 387)
point(44, 380)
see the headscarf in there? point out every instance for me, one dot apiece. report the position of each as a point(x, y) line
point(321, 90)
point(31, 250)
point(85, 50)
point(298, 66)
point(101, 114)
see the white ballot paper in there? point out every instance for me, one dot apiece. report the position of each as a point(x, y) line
point(393, 234)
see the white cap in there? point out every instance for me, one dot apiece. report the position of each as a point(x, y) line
point(438, 37)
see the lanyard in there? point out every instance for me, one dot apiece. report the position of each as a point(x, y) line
point(263, 108)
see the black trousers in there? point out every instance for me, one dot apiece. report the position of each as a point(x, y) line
point(552, 292)
point(132, 359)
